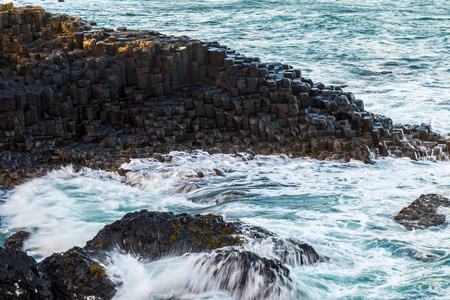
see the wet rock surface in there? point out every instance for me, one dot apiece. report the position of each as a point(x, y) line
point(223, 247)
point(20, 277)
point(78, 274)
point(276, 276)
point(158, 234)
point(423, 212)
point(71, 92)
point(161, 234)
point(16, 240)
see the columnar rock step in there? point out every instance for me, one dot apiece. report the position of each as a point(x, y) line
point(63, 80)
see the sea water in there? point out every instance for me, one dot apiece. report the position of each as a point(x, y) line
point(393, 55)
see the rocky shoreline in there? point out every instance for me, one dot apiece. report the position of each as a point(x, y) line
point(83, 273)
point(74, 93)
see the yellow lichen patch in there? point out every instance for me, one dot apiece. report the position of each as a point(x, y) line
point(173, 237)
point(99, 245)
point(98, 270)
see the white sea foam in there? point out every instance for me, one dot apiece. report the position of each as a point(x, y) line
point(195, 276)
point(344, 210)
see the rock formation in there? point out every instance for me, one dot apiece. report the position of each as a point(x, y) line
point(20, 277)
point(71, 92)
point(218, 247)
point(423, 212)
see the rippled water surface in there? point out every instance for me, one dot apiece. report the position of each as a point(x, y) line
point(344, 210)
point(395, 55)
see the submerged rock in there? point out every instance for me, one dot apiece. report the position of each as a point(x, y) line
point(20, 277)
point(78, 274)
point(423, 212)
point(16, 240)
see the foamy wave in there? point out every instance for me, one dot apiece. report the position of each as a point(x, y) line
point(217, 275)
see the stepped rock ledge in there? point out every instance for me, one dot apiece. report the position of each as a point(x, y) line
point(71, 92)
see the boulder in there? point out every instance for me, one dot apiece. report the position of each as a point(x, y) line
point(155, 235)
point(16, 240)
point(78, 274)
point(423, 212)
point(158, 234)
point(20, 277)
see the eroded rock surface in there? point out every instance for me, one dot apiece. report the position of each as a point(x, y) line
point(423, 212)
point(256, 257)
point(20, 277)
point(160, 234)
point(78, 274)
point(16, 240)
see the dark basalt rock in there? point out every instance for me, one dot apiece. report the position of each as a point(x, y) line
point(20, 278)
point(70, 94)
point(245, 267)
point(158, 234)
point(78, 274)
point(16, 240)
point(289, 250)
point(422, 213)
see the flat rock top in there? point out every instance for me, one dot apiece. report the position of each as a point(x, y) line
point(423, 213)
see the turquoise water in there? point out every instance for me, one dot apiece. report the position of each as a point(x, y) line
point(393, 55)
point(344, 210)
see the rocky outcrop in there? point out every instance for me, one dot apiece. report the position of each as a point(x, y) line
point(219, 248)
point(423, 212)
point(248, 268)
point(20, 278)
point(78, 274)
point(68, 87)
point(16, 240)
point(161, 234)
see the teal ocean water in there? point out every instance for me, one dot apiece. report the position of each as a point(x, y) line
point(393, 55)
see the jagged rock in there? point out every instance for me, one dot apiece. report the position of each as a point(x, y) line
point(254, 277)
point(158, 234)
point(289, 250)
point(20, 277)
point(423, 212)
point(78, 274)
point(16, 240)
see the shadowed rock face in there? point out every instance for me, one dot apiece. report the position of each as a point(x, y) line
point(78, 274)
point(159, 234)
point(155, 234)
point(20, 277)
point(423, 213)
point(276, 284)
point(16, 240)
point(224, 248)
